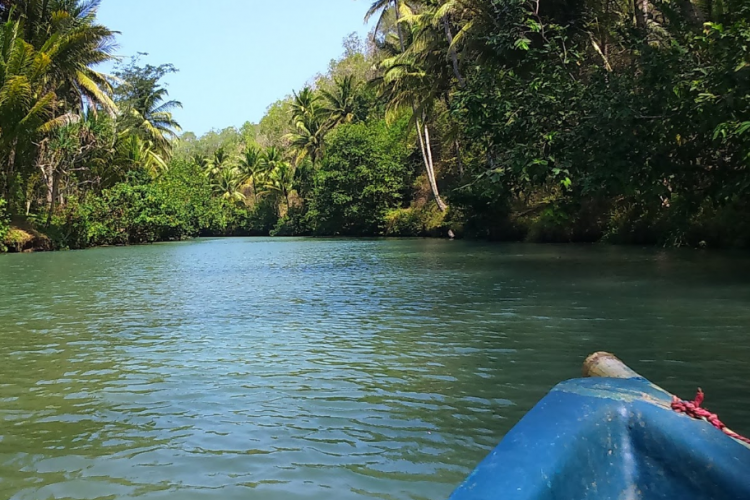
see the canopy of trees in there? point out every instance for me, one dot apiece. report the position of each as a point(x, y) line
point(559, 120)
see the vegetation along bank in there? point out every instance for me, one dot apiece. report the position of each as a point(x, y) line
point(562, 120)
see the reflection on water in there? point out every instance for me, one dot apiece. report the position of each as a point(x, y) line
point(317, 369)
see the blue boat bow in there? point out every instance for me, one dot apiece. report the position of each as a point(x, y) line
point(611, 438)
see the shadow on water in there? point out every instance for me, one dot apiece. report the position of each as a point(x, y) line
point(259, 368)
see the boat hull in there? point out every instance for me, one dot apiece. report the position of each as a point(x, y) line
point(606, 438)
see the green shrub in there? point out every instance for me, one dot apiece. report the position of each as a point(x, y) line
point(261, 217)
point(178, 205)
point(294, 223)
point(123, 215)
point(365, 173)
point(415, 221)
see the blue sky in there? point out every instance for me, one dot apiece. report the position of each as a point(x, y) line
point(235, 57)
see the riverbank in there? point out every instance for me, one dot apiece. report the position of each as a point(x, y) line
point(24, 238)
point(540, 225)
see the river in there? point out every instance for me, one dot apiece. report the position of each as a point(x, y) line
point(331, 369)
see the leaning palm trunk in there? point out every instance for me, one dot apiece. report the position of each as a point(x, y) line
point(426, 148)
point(422, 132)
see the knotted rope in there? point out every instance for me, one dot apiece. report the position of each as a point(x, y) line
point(693, 409)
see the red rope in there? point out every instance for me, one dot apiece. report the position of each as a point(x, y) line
point(693, 409)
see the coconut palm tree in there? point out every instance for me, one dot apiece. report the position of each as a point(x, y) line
point(152, 120)
point(340, 103)
point(61, 42)
point(381, 7)
point(220, 161)
point(279, 174)
point(306, 103)
point(463, 24)
point(271, 158)
point(68, 30)
point(311, 126)
point(309, 138)
point(200, 161)
point(252, 169)
point(414, 81)
point(434, 18)
point(280, 180)
point(26, 104)
point(227, 183)
point(135, 153)
point(405, 81)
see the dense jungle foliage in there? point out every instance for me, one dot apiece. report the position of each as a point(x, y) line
point(559, 120)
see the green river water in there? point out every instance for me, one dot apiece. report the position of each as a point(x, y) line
point(331, 369)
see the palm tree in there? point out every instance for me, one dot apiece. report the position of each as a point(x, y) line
point(252, 169)
point(305, 104)
point(227, 183)
point(309, 138)
point(280, 179)
point(311, 126)
point(68, 29)
point(271, 158)
point(200, 160)
point(279, 174)
point(26, 104)
point(340, 103)
point(414, 81)
point(134, 153)
point(405, 84)
point(435, 16)
point(219, 162)
point(152, 120)
point(61, 42)
point(400, 8)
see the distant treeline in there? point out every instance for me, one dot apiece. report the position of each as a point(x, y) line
point(627, 122)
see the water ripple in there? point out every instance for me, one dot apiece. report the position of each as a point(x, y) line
point(311, 369)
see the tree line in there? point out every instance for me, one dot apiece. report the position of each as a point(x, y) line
point(562, 120)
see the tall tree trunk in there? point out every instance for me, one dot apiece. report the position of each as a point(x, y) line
point(9, 175)
point(453, 54)
point(426, 147)
point(46, 169)
point(49, 176)
point(459, 158)
point(55, 187)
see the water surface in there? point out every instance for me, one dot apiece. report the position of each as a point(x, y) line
point(320, 369)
